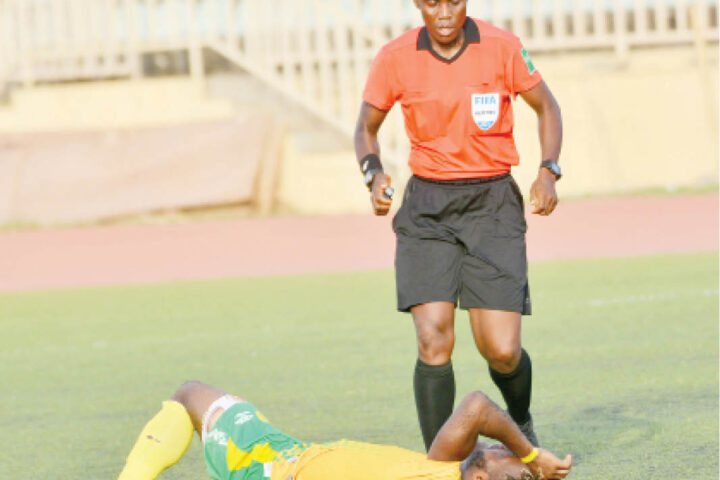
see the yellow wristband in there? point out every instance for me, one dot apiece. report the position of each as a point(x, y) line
point(531, 456)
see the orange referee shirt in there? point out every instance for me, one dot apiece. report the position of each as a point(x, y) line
point(458, 112)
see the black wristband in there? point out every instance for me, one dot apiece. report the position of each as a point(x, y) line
point(370, 162)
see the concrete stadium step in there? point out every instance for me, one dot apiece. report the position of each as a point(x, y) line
point(102, 105)
point(249, 94)
point(317, 174)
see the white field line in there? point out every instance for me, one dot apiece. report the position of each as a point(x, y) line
point(652, 297)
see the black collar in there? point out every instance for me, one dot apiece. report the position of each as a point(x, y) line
point(472, 35)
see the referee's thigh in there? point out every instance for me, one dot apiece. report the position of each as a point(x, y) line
point(426, 270)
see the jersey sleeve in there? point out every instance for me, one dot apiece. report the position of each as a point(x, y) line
point(522, 74)
point(379, 89)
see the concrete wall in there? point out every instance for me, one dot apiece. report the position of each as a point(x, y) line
point(651, 121)
point(61, 178)
point(101, 150)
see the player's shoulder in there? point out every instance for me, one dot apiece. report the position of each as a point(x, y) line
point(491, 33)
point(405, 42)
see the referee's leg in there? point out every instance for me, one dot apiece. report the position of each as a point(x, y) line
point(434, 379)
point(497, 336)
point(428, 280)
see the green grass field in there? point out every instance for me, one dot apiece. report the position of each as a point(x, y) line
point(625, 354)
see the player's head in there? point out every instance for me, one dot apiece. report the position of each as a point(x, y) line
point(494, 463)
point(443, 19)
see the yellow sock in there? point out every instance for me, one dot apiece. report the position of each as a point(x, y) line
point(162, 442)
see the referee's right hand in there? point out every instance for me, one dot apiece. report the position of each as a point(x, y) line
point(381, 203)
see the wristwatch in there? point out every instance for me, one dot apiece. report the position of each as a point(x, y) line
point(369, 176)
point(553, 167)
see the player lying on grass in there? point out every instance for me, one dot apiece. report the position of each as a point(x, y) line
point(240, 444)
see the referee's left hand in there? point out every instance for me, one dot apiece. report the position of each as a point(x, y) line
point(381, 203)
point(543, 196)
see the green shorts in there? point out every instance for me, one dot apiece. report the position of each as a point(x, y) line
point(462, 240)
point(242, 444)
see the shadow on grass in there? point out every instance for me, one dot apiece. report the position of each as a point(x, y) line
point(657, 436)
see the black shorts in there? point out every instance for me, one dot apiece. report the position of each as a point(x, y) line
point(462, 239)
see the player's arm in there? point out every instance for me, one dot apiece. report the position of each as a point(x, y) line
point(367, 151)
point(540, 98)
point(478, 415)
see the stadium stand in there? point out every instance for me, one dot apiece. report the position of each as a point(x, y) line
point(616, 67)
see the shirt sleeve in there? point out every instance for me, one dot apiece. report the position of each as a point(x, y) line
point(379, 89)
point(522, 74)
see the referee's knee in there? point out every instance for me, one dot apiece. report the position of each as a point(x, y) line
point(503, 359)
point(435, 349)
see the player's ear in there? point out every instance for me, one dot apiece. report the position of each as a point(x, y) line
point(417, 3)
point(475, 474)
point(480, 475)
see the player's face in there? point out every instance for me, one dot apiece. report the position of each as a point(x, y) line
point(501, 464)
point(444, 19)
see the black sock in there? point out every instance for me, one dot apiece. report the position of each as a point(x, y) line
point(515, 388)
point(434, 397)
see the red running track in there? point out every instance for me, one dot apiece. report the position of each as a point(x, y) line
point(148, 254)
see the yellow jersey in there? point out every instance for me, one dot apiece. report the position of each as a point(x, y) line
point(349, 460)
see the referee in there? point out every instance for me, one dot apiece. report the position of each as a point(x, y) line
point(461, 228)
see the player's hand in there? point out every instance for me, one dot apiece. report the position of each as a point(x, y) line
point(380, 202)
point(543, 197)
point(548, 467)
